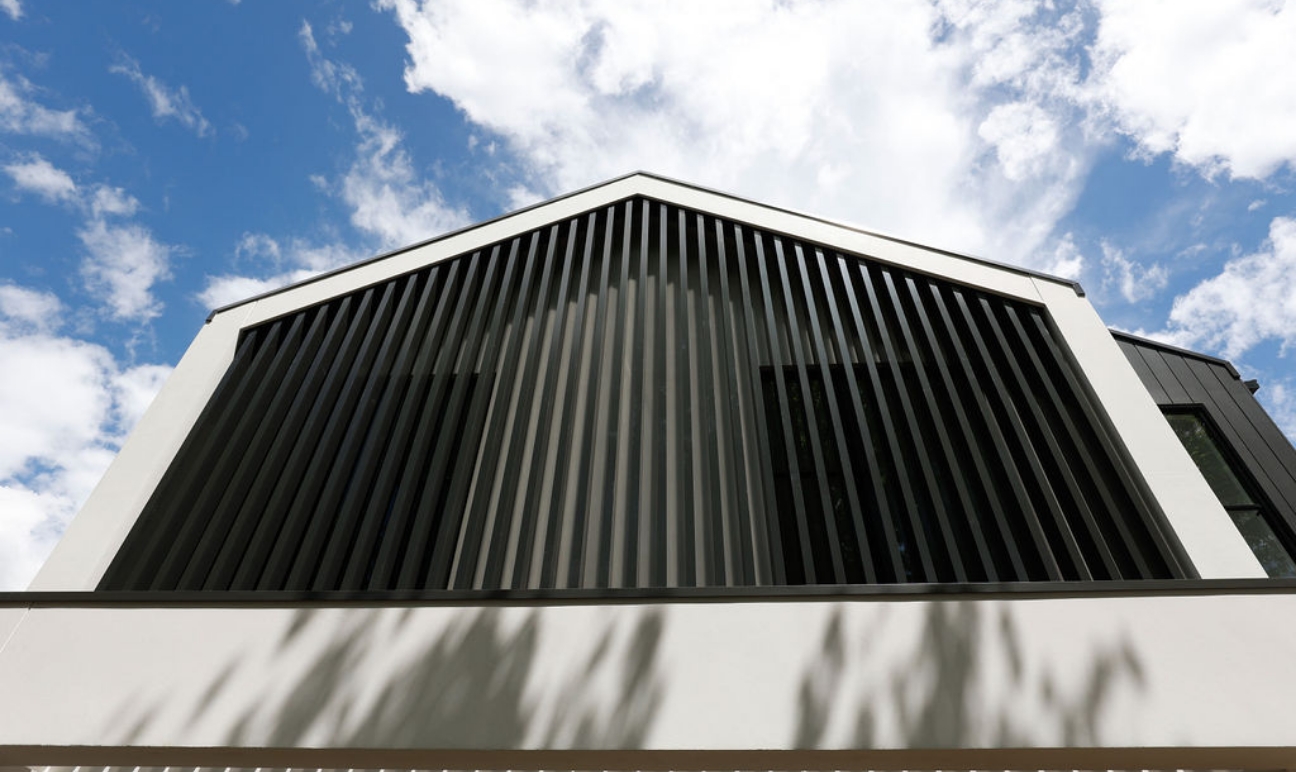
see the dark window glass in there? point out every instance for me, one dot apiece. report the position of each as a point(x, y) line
point(1233, 486)
point(1199, 443)
point(830, 519)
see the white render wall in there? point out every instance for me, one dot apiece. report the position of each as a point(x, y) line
point(1114, 681)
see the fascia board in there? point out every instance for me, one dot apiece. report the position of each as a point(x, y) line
point(973, 272)
point(1138, 340)
point(347, 280)
point(970, 271)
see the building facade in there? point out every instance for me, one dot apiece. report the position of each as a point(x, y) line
point(649, 476)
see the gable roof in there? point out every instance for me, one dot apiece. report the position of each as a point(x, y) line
point(972, 270)
point(1213, 544)
point(424, 472)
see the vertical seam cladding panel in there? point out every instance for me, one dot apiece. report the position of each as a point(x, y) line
point(647, 396)
point(1252, 437)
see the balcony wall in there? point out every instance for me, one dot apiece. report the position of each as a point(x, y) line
point(987, 680)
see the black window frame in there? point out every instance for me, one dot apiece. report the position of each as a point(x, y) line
point(1237, 466)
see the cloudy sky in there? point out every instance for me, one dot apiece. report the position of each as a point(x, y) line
point(160, 159)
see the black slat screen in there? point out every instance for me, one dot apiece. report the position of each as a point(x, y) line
point(645, 396)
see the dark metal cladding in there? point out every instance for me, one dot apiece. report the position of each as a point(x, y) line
point(1185, 382)
point(649, 397)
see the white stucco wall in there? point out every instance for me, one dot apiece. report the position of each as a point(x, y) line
point(1098, 680)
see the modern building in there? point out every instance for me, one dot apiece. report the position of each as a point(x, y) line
point(652, 477)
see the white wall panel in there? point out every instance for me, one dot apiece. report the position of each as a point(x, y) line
point(648, 685)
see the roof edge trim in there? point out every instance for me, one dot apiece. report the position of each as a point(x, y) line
point(417, 244)
point(1075, 285)
point(1151, 343)
point(754, 594)
point(1079, 290)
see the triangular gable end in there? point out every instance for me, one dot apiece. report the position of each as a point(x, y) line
point(644, 396)
point(527, 404)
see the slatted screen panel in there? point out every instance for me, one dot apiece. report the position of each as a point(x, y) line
point(647, 397)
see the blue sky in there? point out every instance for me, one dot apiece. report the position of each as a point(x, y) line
point(158, 159)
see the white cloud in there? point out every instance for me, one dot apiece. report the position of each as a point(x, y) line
point(122, 265)
point(338, 79)
point(61, 422)
point(1253, 299)
point(858, 111)
point(165, 101)
point(387, 198)
point(1066, 261)
point(109, 200)
point(133, 391)
point(39, 176)
point(953, 122)
point(22, 308)
point(258, 245)
point(1025, 139)
point(1211, 81)
point(1134, 281)
point(21, 115)
point(56, 406)
point(31, 525)
point(232, 288)
point(12, 8)
point(1279, 398)
point(1013, 45)
point(52, 419)
point(295, 262)
point(123, 262)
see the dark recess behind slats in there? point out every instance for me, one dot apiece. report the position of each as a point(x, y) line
point(644, 396)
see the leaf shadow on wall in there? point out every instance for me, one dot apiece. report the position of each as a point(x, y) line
point(937, 695)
